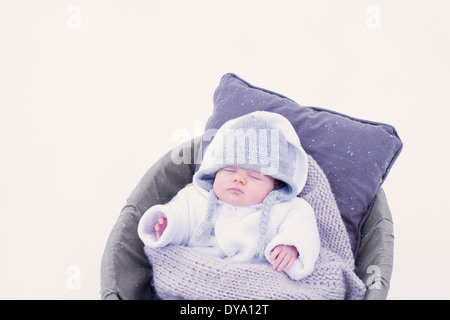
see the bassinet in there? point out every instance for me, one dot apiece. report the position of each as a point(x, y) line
point(125, 270)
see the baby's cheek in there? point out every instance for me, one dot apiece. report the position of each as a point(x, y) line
point(259, 196)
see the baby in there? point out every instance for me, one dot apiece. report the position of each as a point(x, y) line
point(242, 204)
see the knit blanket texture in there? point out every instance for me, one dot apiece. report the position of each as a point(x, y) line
point(184, 273)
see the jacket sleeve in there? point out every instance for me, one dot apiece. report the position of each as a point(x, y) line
point(299, 229)
point(178, 221)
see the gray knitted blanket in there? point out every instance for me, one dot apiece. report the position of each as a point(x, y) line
point(183, 273)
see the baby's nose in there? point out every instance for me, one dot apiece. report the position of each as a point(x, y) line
point(239, 179)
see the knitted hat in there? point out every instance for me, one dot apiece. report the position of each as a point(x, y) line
point(262, 141)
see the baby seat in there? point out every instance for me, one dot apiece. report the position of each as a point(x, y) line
point(355, 155)
point(127, 274)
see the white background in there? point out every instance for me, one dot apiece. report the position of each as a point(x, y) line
point(92, 91)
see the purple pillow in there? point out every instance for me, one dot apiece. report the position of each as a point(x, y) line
point(356, 155)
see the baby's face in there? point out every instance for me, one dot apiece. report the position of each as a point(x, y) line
point(242, 187)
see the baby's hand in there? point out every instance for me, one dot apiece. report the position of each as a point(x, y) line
point(160, 226)
point(284, 257)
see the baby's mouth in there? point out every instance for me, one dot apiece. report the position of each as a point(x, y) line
point(236, 189)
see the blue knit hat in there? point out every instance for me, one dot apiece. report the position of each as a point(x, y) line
point(261, 141)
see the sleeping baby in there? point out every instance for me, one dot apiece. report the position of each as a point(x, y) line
point(242, 205)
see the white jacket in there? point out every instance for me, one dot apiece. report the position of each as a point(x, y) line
point(236, 229)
